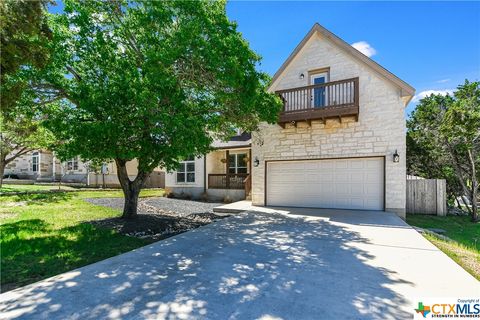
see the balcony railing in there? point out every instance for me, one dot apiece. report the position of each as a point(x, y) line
point(227, 181)
point(320, 101)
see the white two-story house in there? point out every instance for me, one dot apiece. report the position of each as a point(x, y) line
point(339, 141)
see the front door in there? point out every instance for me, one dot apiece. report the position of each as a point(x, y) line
point(319, 99)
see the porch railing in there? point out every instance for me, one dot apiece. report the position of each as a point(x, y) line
point(324, 100)
point(227, 181)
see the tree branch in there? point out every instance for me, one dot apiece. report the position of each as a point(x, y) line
point(75, 73)
point(22, 151)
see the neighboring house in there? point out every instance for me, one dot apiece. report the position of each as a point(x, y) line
point(339, 141)
point(43, 166)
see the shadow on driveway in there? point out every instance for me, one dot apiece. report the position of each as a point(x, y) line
point(250, 266)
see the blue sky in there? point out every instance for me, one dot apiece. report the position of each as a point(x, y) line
point(431, 45)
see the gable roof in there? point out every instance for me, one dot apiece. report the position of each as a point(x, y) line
point(406, 89)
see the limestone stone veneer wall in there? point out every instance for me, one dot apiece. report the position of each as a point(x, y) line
point(380, 129)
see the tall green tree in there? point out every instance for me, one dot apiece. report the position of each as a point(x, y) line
point(155, 81)
point(23, 36)
point(443, 141)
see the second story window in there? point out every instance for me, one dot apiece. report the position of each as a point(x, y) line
point(35, 161)
point(186, 171)
point(72, 164)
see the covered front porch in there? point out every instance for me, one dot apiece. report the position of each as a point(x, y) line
point(228, 173)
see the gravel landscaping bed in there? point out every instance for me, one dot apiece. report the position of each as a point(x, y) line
point(161, 205)
point(158, 218)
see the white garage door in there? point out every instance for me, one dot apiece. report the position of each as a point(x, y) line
point(355, 183)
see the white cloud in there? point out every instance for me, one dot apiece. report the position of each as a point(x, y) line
point(427, 93)
point(365, 48)
point(443, 81)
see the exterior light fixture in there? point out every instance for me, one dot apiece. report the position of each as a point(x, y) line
point(396, 157)
point(302, 76)
point(256, 162)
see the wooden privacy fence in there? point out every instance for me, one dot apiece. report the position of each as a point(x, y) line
point(427, 196)
point(155, 180)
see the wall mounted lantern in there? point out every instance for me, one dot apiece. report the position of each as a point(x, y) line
point(302, 76)
point(256, 162)
point(396, 157)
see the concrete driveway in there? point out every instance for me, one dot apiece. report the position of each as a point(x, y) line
point(265, 264)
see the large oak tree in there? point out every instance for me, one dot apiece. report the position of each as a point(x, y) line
point(154, 81)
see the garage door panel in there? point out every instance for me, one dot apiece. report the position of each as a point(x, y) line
point(341, 164)
point(356, 164)
point(311, 166)
point(342, 177)
point(372, 163)
point(372, 176)
point(357, 177)
point(355, 183)
point(342, 188)
point(357, 190)
point(326, 177)
point(326, 165)
point(373, 189)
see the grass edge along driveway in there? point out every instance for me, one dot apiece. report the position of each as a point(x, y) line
point(464, 248)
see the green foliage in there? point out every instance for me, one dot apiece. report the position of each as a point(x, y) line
point(23, 30)
point(21, 131)
point(443, 140)
point(150, 80)
point(23, 37)
point(23, 34)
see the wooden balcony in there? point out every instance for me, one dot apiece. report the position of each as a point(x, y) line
point(334, 99)
point(238, 181)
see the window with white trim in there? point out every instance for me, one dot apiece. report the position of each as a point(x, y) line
point(72, 164)
point(237, 163)
point(186, 171)
point(35, 161)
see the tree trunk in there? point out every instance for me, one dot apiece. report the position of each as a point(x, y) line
point(460, 174)
point(474, 203)
point(2, 171)
point(131, 189)
point(131, 202)
point(474, 192)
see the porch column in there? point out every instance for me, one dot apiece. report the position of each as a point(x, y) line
point(250, 161)
point(227, 183)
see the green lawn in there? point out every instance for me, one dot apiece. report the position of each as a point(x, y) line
point(12, 188)
point(45, 234)
point(465, 247)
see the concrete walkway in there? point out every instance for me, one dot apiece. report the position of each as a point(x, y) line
point(262, 264)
